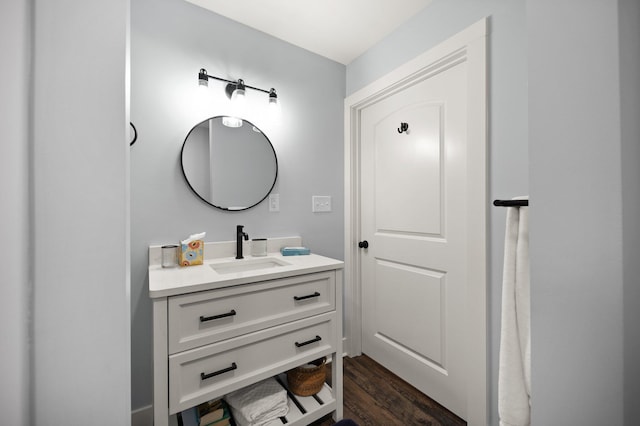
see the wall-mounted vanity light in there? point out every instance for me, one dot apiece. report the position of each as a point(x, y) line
point(235, 91)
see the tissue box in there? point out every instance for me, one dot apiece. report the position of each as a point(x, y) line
point(192, 253)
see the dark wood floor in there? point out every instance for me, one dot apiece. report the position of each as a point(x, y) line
point(373, 396)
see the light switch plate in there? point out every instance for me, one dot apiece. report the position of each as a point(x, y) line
point(274, 202)
point(321, 203)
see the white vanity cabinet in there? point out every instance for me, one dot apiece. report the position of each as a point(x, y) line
point(222, 332)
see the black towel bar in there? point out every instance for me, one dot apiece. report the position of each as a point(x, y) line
point(511, 203)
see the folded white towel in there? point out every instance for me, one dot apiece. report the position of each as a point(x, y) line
point(514, 372)
point(258, 404)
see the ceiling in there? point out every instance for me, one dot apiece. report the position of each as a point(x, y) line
point(340, 30)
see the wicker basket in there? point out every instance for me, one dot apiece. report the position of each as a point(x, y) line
point(307, 381)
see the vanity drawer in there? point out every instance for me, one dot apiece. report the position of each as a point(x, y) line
point(210, 372)
point(199, 319)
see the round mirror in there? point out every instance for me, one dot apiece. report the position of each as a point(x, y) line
point(229, 163)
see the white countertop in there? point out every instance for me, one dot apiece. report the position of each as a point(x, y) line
point(165, 282)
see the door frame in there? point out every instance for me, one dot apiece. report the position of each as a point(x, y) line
point(467, 46)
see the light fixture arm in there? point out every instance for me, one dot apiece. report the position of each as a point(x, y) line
point(203, 77)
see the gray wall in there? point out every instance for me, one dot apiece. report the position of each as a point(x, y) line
point(507, 95)
point(80, 166)
point(170, 41)
point(15, 40)
point(584, 328)
point(64, 310)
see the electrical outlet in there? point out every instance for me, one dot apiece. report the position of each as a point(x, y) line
point(321, 203)
point(274, 202)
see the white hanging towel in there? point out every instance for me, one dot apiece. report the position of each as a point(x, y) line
point(514, 373)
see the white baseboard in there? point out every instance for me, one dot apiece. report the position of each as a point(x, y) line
point(142, 416)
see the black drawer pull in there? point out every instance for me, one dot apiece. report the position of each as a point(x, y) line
point(216, 373)
point(308, 342)
point(309, 296)
point(215, 317)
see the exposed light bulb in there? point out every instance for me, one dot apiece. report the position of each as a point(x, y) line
point(273, 97)
point(238, 96)
point(274, 105)
point(238, 100)
point(203, 78)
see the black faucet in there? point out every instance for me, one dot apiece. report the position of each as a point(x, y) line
point(240, 234)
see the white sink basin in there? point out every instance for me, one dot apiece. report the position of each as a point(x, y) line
point(244, 265)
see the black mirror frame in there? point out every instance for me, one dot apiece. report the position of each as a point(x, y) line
point(135, 134)
point(275, 178)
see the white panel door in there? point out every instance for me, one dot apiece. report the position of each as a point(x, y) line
point(414, 211)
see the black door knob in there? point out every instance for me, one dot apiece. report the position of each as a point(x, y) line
point(363, 244)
